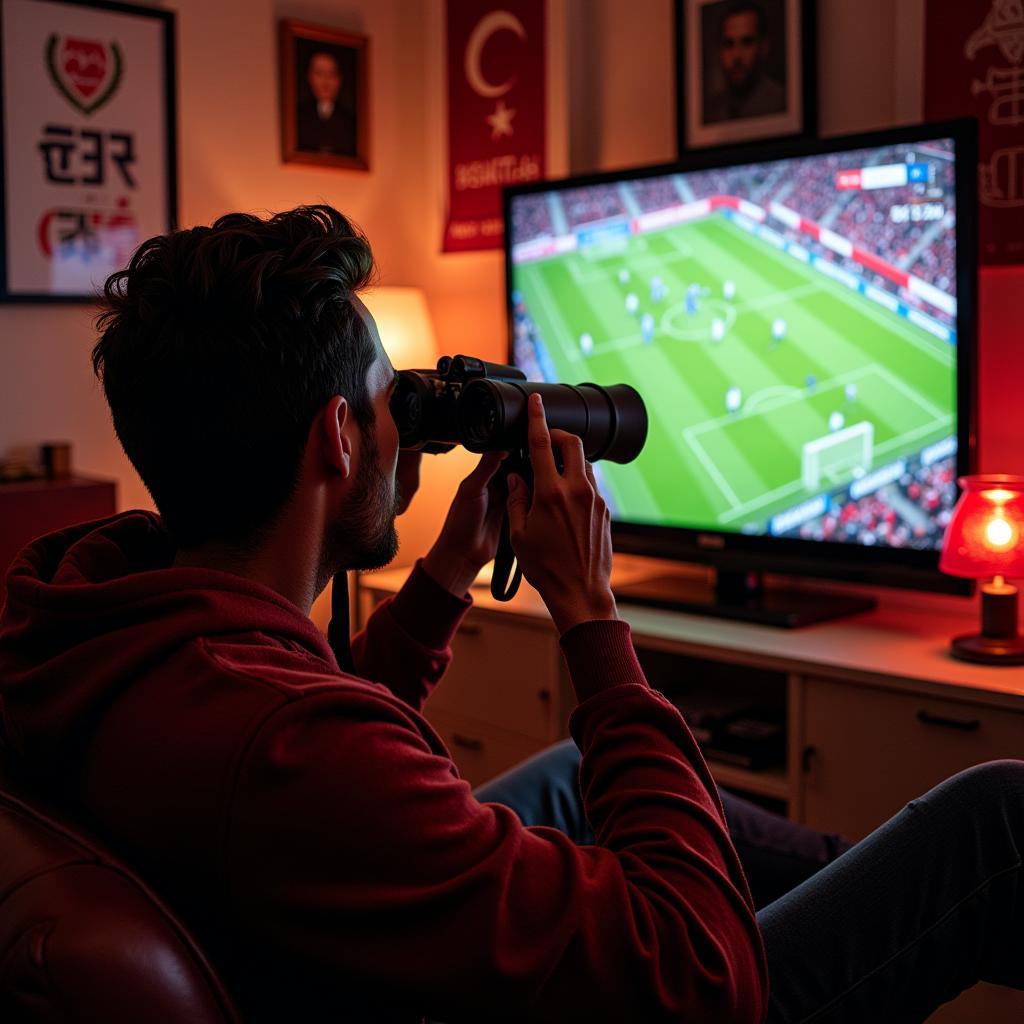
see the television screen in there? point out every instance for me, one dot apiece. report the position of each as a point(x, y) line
point(791, 323)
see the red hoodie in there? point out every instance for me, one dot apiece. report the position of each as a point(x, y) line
point(312, 829)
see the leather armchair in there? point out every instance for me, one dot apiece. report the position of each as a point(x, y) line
point(82, 938)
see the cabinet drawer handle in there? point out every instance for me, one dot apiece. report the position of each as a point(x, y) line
point(469, 630)
point(467, 742)
point(963, 724)
point(807, 759)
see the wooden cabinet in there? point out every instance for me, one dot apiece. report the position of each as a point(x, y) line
point(504, 696)
point(480, 748)
point(868, 751)
point(31, 508)
point(504, 673)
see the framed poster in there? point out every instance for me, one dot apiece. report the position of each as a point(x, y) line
point(744, 71)
point(324, 96)
point(87, 140)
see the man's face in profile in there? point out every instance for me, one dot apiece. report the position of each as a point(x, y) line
point(324, 77)
point(741, 49)
point(364, 537)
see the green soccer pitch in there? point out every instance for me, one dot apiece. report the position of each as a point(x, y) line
point(704, 466)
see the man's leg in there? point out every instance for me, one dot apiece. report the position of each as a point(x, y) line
point(776, 854)
point(927, 905)
point(544, 790)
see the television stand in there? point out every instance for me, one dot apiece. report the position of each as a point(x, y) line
point(741, 596)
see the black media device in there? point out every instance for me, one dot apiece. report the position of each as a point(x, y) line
point(799, 318)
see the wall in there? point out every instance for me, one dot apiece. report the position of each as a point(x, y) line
point(614, 104)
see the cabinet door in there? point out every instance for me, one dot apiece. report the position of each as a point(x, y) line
point(867, 752)
point(505, 674)
point(481, 750)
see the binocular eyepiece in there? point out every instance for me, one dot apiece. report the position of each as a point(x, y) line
point(483, 407)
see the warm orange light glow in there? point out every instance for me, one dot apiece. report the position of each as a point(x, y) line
point(998, 495)
point(983, 538)
point(999, 533)
point(403, 321)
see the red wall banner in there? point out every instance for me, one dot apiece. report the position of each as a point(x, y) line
point(496, 113)
point(974, 64)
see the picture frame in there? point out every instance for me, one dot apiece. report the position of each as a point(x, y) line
point(88, 169)
point(325, 109)
point(745, 71)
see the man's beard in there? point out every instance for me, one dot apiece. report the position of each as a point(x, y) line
point(364, 536)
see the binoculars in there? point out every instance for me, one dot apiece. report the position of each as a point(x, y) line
point(483, 407)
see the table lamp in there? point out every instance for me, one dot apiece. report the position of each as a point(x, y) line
point(985, 541)
point(403, 322)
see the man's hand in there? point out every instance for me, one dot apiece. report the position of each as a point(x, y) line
point(563, 539)
point(470, 533)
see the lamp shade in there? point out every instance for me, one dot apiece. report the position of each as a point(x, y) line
point(403, 322)
point(985, 536)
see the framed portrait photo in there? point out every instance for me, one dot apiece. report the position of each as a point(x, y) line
point(324, 96)
point(87, 146)
point(745, 71)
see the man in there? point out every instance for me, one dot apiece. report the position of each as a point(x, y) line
point(743, 49)
point(161, 680)
point(324, 124)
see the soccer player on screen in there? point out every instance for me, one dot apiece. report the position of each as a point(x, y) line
point(647, 328)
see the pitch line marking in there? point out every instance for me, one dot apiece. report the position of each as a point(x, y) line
point(644, 263)
point(900, 326)
point(713, 471)
point(701, 334)
point(912, 393)
point(797, 486)
point(761, 401)
point(556, 319)
point(833, 382)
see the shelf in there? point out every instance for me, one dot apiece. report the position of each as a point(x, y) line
point(772, 783)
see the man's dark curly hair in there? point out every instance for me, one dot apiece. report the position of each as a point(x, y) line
point(218, 347)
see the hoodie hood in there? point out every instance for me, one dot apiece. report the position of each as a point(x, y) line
point(91, 608)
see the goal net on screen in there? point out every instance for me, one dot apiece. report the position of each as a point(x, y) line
point(836, 454)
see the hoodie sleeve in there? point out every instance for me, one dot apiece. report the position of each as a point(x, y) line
point(422, 897)
point(406, 643)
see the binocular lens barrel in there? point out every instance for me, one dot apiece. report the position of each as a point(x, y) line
point(612, 421)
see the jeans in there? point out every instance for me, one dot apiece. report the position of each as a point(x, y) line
point(924, 907)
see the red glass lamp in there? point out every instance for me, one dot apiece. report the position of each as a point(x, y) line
point(985, 541)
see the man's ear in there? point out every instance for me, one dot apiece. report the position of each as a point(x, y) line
point(338, 428)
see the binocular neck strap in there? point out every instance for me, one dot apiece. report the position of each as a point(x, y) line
point(338, 630)
point(507, 575)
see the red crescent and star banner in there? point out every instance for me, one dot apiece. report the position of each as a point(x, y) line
point(496, 113)
point(974, 64)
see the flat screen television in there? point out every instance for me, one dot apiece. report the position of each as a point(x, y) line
point(800, 319)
